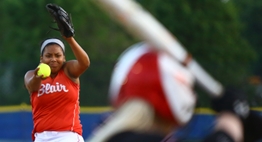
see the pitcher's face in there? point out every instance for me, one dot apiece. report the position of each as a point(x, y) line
point(53, 55)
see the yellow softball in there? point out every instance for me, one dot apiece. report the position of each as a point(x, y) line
point(44, 70)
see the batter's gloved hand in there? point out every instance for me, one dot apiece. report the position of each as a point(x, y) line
point(232, 100)
point(63, 20)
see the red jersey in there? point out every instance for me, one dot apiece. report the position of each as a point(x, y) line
point(55, 106)
point(156, 78)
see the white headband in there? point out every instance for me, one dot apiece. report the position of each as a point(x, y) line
point(52, 40)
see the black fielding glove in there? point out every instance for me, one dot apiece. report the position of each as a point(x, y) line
point(232, 100)
point(63, 20)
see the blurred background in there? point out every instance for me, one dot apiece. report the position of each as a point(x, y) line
point(224, 36)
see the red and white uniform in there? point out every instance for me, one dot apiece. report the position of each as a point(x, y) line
point(156, 78)
point(55, 106)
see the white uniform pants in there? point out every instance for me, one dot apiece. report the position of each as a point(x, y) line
point(55, 136)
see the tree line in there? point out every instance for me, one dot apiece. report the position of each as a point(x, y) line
point(223, 36)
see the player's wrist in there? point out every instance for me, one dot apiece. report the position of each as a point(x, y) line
point(68, 39)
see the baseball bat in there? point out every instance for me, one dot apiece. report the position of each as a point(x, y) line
point(142, 25)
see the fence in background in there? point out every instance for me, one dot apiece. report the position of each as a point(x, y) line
point(16, 123)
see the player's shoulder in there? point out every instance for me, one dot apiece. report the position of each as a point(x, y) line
point(29, 72)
